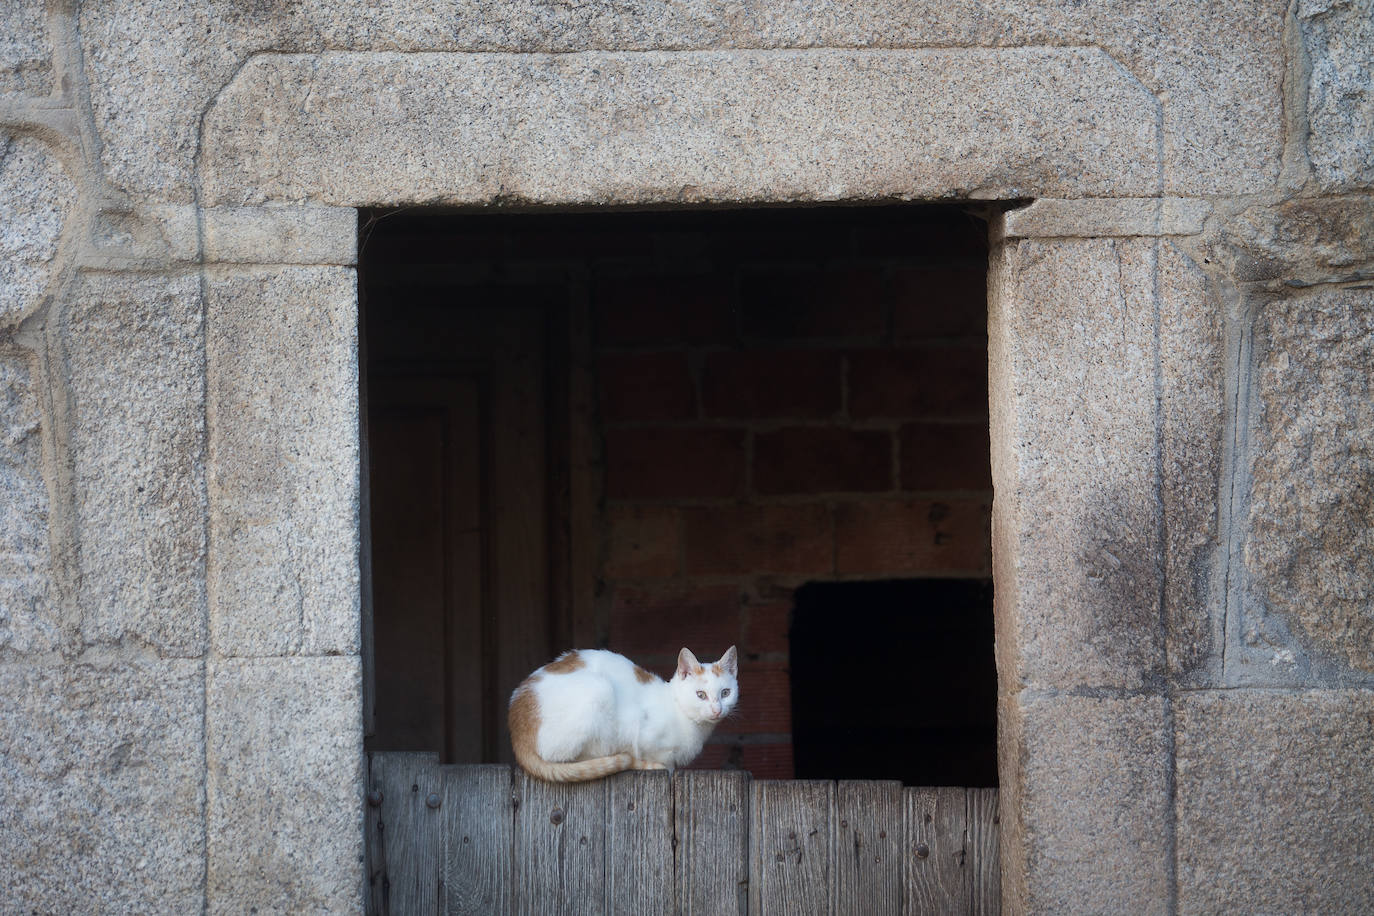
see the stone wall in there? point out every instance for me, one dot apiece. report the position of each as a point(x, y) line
point(1180, 332)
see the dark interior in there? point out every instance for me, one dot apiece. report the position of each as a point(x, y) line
point(895, 680)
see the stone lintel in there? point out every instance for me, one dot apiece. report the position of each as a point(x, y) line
point(351, 128)
point(1107, 217)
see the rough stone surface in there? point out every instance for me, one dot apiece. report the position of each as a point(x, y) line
point(1300, 242)
point(1146, 123)
point(25, 48)
point(1192, 344)
point(27, 617)
point(283, 425)
point(1338, 36)
point(1076, 522)
point(102, 788)
point(134, 353)
point(285, 785)
point(1310, 546)
point(1275, 802)
point(39, 195)
point(1089, 777)
point(1049, 218)
point(604, 128)
point(1216, 69)
point(281, 235)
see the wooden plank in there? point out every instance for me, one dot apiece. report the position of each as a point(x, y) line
point(790, 847)
point(937, 879)
point(478, 823)
point(639, 843)
point(560, 847)
point(373, 840)
point(711, 832)
point(869, 865)
point(411, 828)
point(984, 827)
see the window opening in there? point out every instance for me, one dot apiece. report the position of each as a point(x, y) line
point(657, 429)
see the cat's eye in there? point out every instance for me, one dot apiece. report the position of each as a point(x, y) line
point(702, 694)
point(725, 693)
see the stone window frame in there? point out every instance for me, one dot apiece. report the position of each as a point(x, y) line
point(1079, 284)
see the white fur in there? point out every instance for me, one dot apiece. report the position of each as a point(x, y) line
point(603, 709)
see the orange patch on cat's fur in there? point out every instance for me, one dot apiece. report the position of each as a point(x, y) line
point(566, 663)
point(717, 670)
point(524, 717)
point(642, 676)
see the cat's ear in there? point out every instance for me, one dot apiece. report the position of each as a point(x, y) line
point(730, 662)
point(687, 664)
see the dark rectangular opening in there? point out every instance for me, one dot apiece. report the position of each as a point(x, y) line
point(645, 430)
point(895, 679)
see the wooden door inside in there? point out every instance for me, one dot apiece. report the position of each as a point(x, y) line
point(458, 492)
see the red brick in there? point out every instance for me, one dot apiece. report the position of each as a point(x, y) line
point(912, 536)
point(822, 460)
point(662, 308)
point(656, 623)
point(771, 383)
point(946, 456)
point(766, 627)
point(796, 303)
point(679, 462)
point(645, 542)
point(939, 302)
point(646, 386)
point(919, 383)
point(762, 761)
point(765, 701)
point(758, 539)
point(768, 761)
point(718, 757)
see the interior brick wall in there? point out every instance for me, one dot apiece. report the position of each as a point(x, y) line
point(785, 396)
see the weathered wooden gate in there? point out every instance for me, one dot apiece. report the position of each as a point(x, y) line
point(487, 839)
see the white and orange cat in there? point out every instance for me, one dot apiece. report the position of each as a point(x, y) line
point(591, 713)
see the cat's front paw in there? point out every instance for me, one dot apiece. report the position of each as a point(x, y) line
point(648, 765)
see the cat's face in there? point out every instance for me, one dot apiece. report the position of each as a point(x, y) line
point(707, 693)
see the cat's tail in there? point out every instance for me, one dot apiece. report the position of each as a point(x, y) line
point(524, 732)
point(574, 771)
